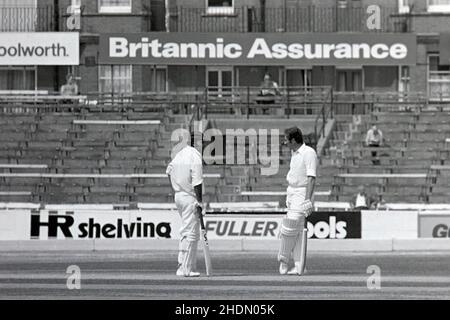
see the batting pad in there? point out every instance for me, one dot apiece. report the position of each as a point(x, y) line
point(299, 253)
point(187, 256)
point(290, 230)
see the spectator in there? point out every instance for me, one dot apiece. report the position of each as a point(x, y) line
point(381, 203)
point(361, 201)
point(374, 139)
point(269, 89)
point(70, 88)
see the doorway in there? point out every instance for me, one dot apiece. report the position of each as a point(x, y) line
point(219, 81)
point(349, 80)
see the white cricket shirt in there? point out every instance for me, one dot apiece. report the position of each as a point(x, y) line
point(303, 165)
point(186, 170)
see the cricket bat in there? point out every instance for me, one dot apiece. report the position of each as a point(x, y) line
point(205, 243)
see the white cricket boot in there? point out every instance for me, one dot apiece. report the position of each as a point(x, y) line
point(283, 268)
point(296, 270)
point(180, 273)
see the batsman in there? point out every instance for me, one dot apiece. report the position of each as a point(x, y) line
point(301, 181)
point(185, 174)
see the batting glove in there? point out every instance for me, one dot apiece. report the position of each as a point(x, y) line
point(200, 205)
point(307, 207)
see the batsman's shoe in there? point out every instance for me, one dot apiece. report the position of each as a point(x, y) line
point(296, 271)
point(283, 268)
point(180, 273)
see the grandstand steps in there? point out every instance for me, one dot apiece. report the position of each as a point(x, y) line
point(388, 197)
point(92, 135)
point(431, 117)
point(22, 182)
point(155, 198)
point(439, 198)
point(414, 142)
point(16, 198)
point(150, 189)
point(11, 187)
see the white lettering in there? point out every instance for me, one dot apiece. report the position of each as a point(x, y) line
point(398, 51)
point(233, 51)
point(259, 47)
point(118, 47)
point(380, 51)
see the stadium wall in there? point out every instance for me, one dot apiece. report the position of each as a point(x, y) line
point(67, 228)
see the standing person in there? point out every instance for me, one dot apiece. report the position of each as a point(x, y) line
point(186, 178)
point(374, 139)
point(301, 179)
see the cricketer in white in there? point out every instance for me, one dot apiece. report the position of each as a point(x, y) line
point(186, 178)
point(301, 181)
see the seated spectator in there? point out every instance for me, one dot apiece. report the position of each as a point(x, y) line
point(70, 88)
point(374, 139)
point(361, 201)
point(268, 90)
point(381, 203)
point(269, 87)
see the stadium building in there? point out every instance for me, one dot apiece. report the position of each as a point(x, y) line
point(425, 20)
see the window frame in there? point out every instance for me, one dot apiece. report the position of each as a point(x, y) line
point(221, 89)
point(155, 69)
point(34, 19)
point(403, 6)
point(219, 10)
point(306, 71)
point(112, 79)
point(115, 9)
point(23, 69)
point(438, 8)
point(431, 81)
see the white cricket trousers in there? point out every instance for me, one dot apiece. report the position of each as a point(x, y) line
point(189, 231)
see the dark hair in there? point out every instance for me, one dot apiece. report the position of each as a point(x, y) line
point(294, 133)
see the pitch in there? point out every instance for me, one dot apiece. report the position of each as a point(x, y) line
point(243, 275)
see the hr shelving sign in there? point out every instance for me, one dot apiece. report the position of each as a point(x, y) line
point(258, 49)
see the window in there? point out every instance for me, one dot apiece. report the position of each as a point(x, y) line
point(403, 6)
point(298, 77)
point(438, 78)
point(404, 79)
point(18, 15)
point(219, 80)
point(158, 79)
point(18, 78)
point(114, 6)
point(115, 79)
point(438, 5)
point(219, 7)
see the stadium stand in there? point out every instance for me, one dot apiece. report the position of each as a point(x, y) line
point(117, 152)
